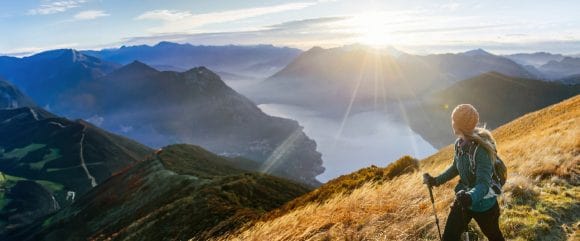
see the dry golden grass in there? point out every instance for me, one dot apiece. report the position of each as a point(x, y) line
point(541, 150)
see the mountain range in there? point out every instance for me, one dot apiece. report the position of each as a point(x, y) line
point(568, 66)
point(159, 108)
point(535, 59)
point(332, 80)
point(252, 61)
point(46, 75)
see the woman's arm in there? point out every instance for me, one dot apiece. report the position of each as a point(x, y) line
point(483, 174)
point(447, 175)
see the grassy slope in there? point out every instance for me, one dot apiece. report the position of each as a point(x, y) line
point(183, 192)
point(541, 200)
point(40, 147)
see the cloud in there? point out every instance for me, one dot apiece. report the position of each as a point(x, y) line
point(298, 33)
point(90, 14)
point(452, 29)
point(185, 21)
point(52, 7)
point(450, 6)
point(164, 15)
point(27, 51)
point(308, 23)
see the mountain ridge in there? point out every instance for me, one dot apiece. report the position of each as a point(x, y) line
point(249, 60)
point(359, 79)
point(178, 186)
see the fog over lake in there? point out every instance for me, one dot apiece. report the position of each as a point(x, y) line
point(368, 138)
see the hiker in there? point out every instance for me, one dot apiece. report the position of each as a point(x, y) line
point(474, 197)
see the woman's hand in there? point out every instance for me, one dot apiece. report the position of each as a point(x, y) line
point(428, 180)
point(463, 198)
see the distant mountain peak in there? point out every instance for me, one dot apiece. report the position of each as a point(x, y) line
point(202, 72)
point(136, 67)
point(68, 54)
point(168, 44)
point(478, 52)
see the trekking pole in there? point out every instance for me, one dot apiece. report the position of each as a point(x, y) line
point(434, 211)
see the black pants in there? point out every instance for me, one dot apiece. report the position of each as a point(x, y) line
point(458, 219)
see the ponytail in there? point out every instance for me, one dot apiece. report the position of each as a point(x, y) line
point(485, 139)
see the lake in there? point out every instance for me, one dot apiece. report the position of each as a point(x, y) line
point(363, 139)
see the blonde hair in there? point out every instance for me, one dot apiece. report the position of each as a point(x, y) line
point(484, 138)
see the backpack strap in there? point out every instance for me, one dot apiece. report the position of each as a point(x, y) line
point(472, 159)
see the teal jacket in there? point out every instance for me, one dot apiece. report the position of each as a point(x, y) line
point(477, 185)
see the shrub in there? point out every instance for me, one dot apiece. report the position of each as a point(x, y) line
point(520, 190)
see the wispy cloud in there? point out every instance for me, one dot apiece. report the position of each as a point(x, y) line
point(164, 15)
point(303, 33)
point(452, 6)
point(185, 21)
point(452, 29)
point(308, 23)
point(52, 7)
point(90, 14)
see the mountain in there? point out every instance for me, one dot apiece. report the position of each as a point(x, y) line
point(498, 98)
point(477, 53)
point(534, 59)
point(164, 107)
point(47, 161)
point(183, 192)
point(560, 69)
point(472, 63)
point(336, 79)
point(46, 75)
point(540, 199)
point(254, 61)
point(11, 97)
point(571, 80)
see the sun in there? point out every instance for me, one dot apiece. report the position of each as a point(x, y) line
point(372, 29)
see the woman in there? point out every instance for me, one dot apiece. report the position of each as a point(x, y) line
point(473, 198)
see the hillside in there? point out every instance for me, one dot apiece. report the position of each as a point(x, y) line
point(541, 150)
point(562, 68)
point(46, 162)
point(534, 59)
point(11, 97)
point(182, 192)
point(160, 108)
point(498, 98)
point(571, 80)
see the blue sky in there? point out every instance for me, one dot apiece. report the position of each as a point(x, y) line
point(420, 26)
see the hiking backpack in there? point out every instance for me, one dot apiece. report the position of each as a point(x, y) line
point(499, 176)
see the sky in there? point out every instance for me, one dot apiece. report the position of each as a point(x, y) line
point(415, 26)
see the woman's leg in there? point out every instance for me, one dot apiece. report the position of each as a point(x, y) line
point(456, 223)
point(488, 222)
